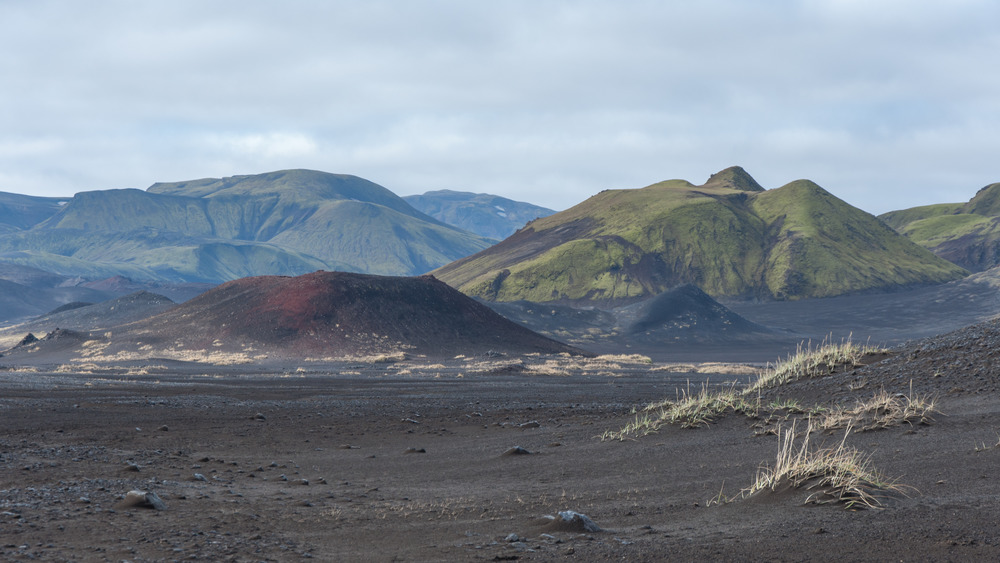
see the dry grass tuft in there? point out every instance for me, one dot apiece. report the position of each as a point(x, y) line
point(814, 362)
point(840, 474)
point(689, 410)
point(881, 411)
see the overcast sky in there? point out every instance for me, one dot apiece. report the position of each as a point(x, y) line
point(887, 104)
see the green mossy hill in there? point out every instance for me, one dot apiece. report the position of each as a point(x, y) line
point(966, 234)
point(486, 215)
point(212, 230)
point(727, 237)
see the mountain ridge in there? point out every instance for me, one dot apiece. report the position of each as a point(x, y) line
point(286, 222)
point(618, 246)
point(487, 215)
point(966, 234)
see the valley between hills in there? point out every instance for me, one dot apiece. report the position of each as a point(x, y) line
point(301, 365)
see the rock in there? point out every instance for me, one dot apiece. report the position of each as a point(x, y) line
point(415, 451)
point(259, 416)
point(516, 450)
point(142, 499)
point(511, 538)
point(529, 424)
point(569, 521)
point(199, 477)
point(131, 466)
point(164, 428)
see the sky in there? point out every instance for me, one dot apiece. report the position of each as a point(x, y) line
point(887, 104)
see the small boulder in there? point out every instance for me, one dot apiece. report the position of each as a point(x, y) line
point(142, 499)
point(569, 521)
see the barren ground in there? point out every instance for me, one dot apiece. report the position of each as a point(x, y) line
point(358, 463)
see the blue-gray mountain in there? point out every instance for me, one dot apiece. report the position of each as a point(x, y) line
point(214, 230)
point(18, 212)
point(486, 215)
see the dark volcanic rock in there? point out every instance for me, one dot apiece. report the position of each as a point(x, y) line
point(28, 340)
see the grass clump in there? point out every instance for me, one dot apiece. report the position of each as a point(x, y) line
point(693, 409)
point(881, 411)
point(689, 410)
point(810, 362)
point(839, 474)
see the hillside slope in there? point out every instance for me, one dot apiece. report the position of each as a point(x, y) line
point(19, 212)
point(486, 215)
point(213, 230)
point(330, 314)
point(729, 237)
point(966, 234)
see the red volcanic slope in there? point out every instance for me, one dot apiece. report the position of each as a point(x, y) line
point(333, 313)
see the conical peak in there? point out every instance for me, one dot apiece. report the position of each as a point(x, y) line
point(734, 178)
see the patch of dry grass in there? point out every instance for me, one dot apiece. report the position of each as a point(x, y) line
point(838, 474)
point(689, 410)
point(814, 362)
point(881, 411)
point(710, 367)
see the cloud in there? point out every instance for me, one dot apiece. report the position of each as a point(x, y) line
point(885, 104)
point(269, 146)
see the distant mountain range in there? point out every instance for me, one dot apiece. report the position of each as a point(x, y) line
point(214, 230)
point(486, 215)
point(729, 237)
point(967, 234)
point(19, 212)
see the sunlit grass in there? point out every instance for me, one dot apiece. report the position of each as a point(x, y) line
point(838, 474)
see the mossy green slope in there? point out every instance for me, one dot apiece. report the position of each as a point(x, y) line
point(287, 223)
point(967, 234)
point(728, 237)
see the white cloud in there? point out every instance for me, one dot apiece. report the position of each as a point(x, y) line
point(543, 101)
point(267, 145)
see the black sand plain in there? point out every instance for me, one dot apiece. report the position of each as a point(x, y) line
point(411, 459)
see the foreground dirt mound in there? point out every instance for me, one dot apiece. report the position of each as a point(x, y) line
point(961, 362)
point(334, 314)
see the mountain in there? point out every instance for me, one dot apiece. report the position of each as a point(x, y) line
point(665, 325)
point(486, 215)
point(324, 315)
point(91, 316)
point(19, 212)
point(729, 237)
point(214, 230)
point(687, 313)
point(966, 234)
point(26, 292)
